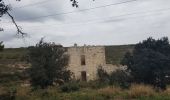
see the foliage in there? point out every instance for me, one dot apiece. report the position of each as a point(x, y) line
point(149, 62)
point(74, 3)
point(49, 62)
point(120, 78)
point(66, 75)
point(103, 76)
point(93, 84)
point(1, 46)
point(97, 84)
point(135, 92)
point(5, 8)
point(70, 87)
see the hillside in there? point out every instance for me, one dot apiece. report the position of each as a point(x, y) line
point(12, 55)
point(12, 62)
point(114, 54)
point(12, 65)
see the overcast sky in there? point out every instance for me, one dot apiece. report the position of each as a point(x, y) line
point(115, 24)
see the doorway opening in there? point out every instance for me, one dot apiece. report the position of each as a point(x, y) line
point(83, 76)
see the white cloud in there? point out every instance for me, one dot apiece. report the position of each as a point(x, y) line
point(93, 27)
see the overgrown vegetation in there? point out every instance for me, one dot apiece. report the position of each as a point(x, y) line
point(119, 77)
point(103, 76)
point(147, 68)
point(149, 62)
point(1, 46)
point(70, 87)
point(12, 67)
point(48, 63)
point(136, 91)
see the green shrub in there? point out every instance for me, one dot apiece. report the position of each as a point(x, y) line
point(1, 46)
point(70, 87)
point(103, 76)
point(120, 78)
point(97, 84)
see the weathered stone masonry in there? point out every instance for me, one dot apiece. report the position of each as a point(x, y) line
point(85, 60)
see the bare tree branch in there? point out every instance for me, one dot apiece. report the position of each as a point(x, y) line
point(19, 29)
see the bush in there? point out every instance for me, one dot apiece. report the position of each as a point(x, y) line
point(1, 46)
point(97, 84)
point(103, 76)
point(120, 78)
point(70, 87)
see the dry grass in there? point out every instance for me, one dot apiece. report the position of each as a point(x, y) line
point(52, 91)
point(2, 90)
point(166, 92)
point(109, 91)
point(23, 91)
point(138, 90)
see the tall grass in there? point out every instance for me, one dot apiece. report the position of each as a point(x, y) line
point(136, 91)
point(139, 90)
point(2, 90)
point(110, 90)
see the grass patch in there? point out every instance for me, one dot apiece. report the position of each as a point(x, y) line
point(114, 54)
point(136, 92)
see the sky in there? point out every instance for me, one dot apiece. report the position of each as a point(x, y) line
point(99, 22)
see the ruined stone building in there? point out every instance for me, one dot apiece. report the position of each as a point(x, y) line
point(85, 60)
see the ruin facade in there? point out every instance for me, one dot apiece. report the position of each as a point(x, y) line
point(85, 60)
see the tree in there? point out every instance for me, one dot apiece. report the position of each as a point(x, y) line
point(149, 62)
point(4, 9)
point(1, 46)
point(74, 3)
point(48, 63)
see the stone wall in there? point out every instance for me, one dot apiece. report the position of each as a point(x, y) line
point(94, 57)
